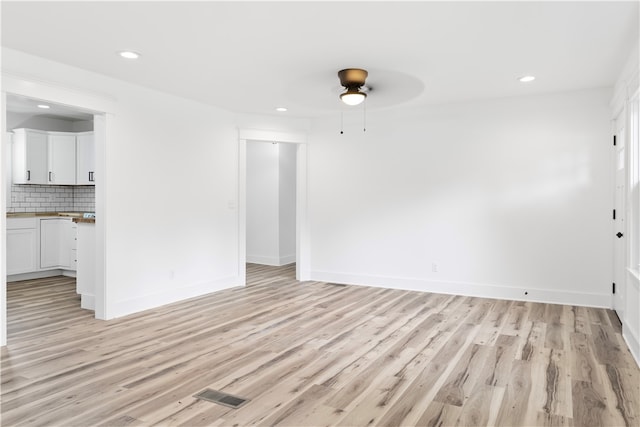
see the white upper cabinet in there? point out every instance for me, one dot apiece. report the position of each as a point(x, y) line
point(62, 158)
point(85, 158)
point(55, 158)
point(29, 156)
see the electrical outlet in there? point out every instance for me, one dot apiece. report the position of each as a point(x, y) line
point(434, 267)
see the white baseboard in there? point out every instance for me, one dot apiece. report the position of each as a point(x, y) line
point(272, 261)
point(146, 302)
point(33, 275)
point(287, 259)
point(468, 289)
point(88, 302)
point(632, 342)
point(263, 260)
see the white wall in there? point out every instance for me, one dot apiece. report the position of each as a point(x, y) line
point(287, 206)
point(262, 203)
point(500, 197)
point(271, 226)
point(178, 237)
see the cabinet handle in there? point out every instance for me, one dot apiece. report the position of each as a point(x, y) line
point(90, 176)
point(50, 180)
point(28, 175)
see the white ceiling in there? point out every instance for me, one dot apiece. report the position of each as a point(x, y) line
point(254, 56)
point(29, 107)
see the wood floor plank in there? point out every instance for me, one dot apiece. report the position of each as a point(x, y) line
point(311, 354)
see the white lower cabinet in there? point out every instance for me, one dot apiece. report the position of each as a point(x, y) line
point(35, 245)
point(57, 239)
point(22, 245)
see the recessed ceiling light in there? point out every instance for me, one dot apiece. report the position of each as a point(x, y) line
point(128, 54)
point(43, 106)
point(281, 109)
point(527, 79)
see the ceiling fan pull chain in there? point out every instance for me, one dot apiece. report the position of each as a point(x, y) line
point(364, 121)
point(341, 122)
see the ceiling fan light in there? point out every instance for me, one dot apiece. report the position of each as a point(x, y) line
point(353, 97)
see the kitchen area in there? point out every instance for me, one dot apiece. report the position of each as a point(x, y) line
point(50, 194)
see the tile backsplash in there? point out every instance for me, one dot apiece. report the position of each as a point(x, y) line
point(52, 198)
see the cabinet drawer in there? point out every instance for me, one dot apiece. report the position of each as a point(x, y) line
point(21, 223)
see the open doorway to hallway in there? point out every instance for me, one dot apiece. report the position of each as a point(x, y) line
point(271, 203)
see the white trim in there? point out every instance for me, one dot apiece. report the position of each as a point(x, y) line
point(101, 123)
point(631, 328)
point(88, 302)
point(242, 210)
point(272, 136)
point(178, 294)
point(3, 220)
point(287, 259)
point(273, 261)
point(80, 99)
point(303, 235)
point(33, 87)
point(481, 290)
point(302, 220)
point(263, 260)
point(40, 275)
point(632, 343)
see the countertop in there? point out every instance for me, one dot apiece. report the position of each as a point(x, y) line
point(32, 214)
point(75, 216)
point(84, 220)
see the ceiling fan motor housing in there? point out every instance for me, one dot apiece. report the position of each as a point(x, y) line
point(352, 78)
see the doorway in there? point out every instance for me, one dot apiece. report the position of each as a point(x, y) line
point(100, 107)
point(37, 246)
point(294, 143)
point(271, 203)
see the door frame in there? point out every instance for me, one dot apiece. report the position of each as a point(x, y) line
point(102, 106)
point(302, 221)
point(619, 249)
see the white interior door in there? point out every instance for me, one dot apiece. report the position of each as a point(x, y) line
point(619, 229)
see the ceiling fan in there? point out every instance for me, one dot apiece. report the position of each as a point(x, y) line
point(353, 80)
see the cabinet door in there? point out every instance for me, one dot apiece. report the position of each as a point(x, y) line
point(67, 243)
point(62, 159)
point(86, 159)
point(51, 242)
point(29, 155)
point(22, 250)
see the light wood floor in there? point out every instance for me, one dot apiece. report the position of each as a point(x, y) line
point(314, 354)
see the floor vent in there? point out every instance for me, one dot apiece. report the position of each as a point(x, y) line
point(337, 284)
point(221, 398)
